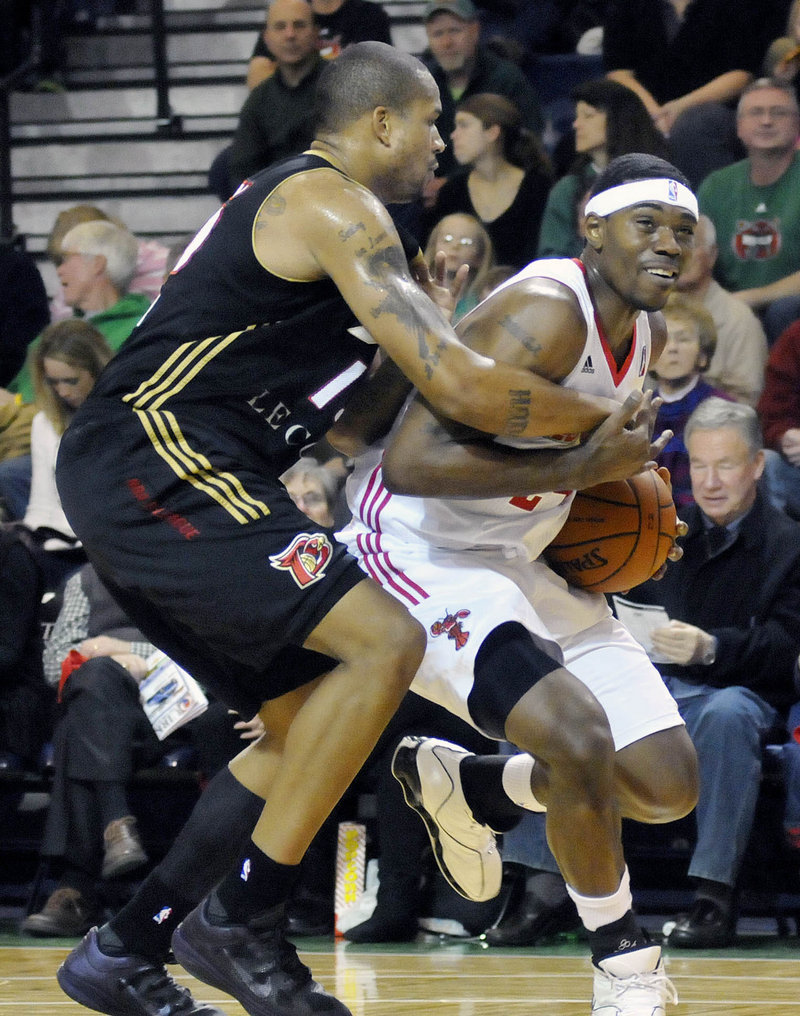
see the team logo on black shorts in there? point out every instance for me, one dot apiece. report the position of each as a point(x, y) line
point(305, 558)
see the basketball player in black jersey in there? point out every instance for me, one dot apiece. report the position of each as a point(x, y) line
point(170, 477)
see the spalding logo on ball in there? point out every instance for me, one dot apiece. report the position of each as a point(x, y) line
point(617, 535)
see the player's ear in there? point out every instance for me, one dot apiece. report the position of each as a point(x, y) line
point(382, 124)
point(594, 230)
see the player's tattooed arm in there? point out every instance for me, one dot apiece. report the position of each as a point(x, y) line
point(429, 456)
point(388, 272)
point(373, 276)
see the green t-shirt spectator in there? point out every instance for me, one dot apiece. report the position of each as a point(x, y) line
point(758, 228)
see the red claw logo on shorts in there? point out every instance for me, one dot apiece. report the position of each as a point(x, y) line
point(450, 625)
point(305, 558)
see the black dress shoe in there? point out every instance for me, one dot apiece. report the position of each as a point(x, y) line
point(708, 925)
point(532, 920)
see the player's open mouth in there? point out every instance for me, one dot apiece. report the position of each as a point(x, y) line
point(663, 273)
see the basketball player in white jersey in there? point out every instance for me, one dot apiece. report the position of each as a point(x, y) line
point(511, 648)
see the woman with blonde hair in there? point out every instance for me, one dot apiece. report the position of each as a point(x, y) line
point(464, 241)
point(506, 176)
point(65, 365)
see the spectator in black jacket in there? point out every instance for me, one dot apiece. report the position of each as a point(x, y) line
point(731, 644)
point(276, 119)
point(462, 66)
point(339, 22)
point(727, 656)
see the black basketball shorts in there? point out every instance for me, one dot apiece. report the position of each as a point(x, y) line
point(227, 579)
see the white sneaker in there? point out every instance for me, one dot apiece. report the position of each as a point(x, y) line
point(632, 984)
point(466, 852)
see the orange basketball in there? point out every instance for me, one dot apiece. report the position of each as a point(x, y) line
point(617, 535)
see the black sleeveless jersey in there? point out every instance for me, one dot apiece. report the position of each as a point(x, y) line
point(248, 366)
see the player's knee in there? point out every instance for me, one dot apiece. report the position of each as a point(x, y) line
point(583, 744)
point(510, 663)
point(668, 791)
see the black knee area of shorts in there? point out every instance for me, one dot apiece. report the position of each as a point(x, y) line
point(509, 663)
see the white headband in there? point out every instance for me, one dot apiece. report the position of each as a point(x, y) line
point(626, 194)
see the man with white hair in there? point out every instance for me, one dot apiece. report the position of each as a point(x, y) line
point(729, 648)
point(96, 266)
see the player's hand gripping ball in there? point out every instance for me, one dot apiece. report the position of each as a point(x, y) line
point(617, 535)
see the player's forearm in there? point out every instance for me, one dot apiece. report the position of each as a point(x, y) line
point(499, 399)
point(471, 471)
point(428, 467)
point(428, 456)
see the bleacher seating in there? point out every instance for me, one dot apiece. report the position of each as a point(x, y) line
point(108, 140)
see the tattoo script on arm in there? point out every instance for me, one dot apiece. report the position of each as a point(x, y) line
point(384, 264)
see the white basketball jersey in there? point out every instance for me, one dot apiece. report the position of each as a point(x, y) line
point(522, 525)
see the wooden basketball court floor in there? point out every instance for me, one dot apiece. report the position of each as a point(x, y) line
point(761, 977)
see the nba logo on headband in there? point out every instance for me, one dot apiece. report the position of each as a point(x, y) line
point(673, 190)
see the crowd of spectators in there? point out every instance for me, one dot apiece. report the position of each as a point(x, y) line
point(498, 200)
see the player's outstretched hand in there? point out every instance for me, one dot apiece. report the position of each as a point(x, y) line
point(445, 295)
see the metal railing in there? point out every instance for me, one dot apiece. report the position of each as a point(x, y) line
point(167, 123)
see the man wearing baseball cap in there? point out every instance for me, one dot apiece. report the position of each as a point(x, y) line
point(461, 65)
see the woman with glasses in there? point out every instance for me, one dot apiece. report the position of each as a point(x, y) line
point(464, 241)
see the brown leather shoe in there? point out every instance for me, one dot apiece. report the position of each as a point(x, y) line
point(123, 849)
point(66, 914)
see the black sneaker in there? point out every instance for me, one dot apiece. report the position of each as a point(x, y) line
point(124, 985)
point(254, 963)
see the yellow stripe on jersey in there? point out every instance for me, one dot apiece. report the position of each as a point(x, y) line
point(224, 487)
point(165, 434)
point(179, 369)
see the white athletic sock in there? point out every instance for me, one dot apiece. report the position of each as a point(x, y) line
point(517, 773)
point(595, 911)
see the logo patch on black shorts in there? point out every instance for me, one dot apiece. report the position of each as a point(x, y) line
point(305, 558)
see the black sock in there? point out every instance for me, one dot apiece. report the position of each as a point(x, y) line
point(482, 782)
point(256, 884)
point(204, 850)
point(624, 935)
point(145, 925)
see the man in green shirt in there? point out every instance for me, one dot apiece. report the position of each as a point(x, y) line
point(95, 268)
point(755, 207)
